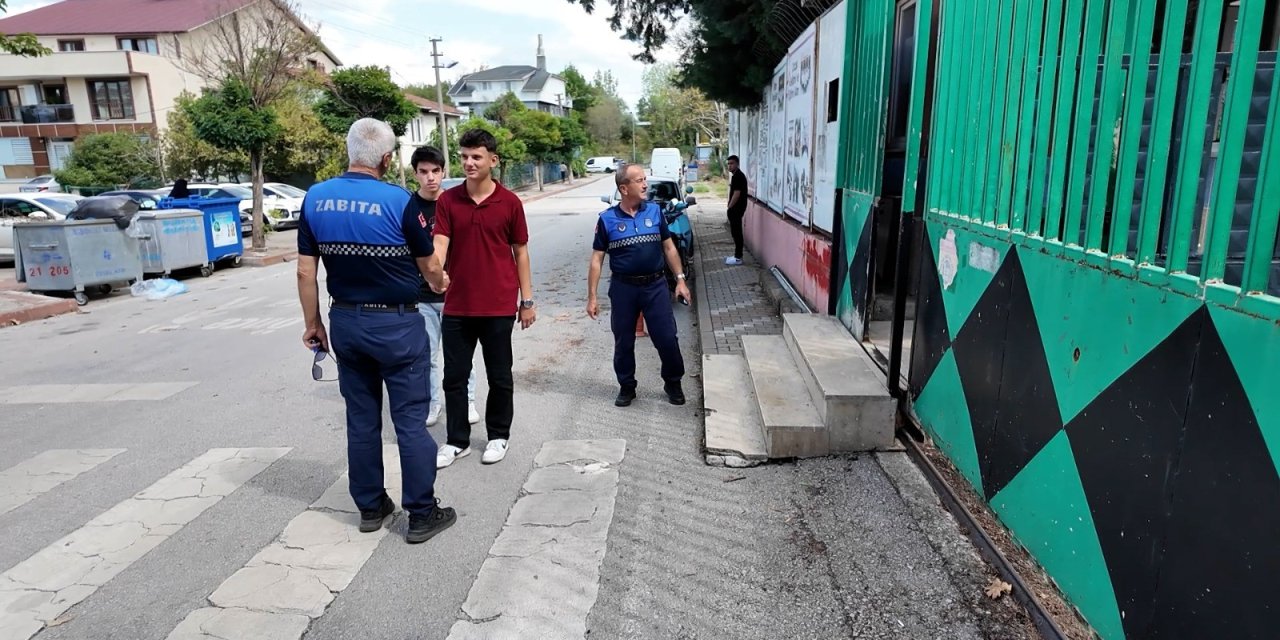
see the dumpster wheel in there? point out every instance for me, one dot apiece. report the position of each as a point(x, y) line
point(81, 298)
point(206, 270)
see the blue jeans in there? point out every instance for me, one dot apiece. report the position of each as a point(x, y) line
point(372, 349)
point(433, 313)
point(628, 301)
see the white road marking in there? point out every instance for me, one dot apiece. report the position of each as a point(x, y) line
point(295, 578)
point(69, 393)
point(543, 572)
point(46, 585)
point(38, 474)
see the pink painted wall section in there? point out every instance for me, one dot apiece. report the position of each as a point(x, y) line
point(803, 256)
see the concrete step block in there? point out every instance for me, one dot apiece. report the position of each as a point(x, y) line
point(846, 386)
point(792, 426)
point(733, 426)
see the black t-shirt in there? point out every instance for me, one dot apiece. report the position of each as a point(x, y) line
point(427, 208)
point(738, 182)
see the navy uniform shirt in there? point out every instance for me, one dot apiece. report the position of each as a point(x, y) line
point(368, 236)
point(634, 243)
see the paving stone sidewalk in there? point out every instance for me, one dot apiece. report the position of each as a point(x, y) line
point(731, 301)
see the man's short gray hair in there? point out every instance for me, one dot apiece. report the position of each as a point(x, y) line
point(620, 177)
point(368, 140)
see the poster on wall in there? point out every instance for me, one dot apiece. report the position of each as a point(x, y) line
point(750, 159)
point(777, 137)
point(761, 176)
point(797, 166)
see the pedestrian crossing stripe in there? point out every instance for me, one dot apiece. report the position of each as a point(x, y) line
point(294, 579)
point(42, 473)
point(41, 588)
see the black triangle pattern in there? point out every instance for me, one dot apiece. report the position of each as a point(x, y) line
point(1122, 443)
point(1005, 375)
point(859, 266)
point(932, 337)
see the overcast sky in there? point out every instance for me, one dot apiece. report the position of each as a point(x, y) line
point(492, 33)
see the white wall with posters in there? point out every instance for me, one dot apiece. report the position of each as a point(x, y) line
point(831, 31)
point(797, 164)
point(788, 145)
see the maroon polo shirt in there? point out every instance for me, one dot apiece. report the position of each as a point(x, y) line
point(482, 267)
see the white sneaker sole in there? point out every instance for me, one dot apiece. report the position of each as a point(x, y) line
point(484, 459)
point(461, 454)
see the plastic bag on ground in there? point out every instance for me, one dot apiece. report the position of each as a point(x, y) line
point(157, 289)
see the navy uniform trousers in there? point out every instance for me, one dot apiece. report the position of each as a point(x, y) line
point(627, 302)
point(385, 347)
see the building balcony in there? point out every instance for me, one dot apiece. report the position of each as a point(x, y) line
point(48, 113)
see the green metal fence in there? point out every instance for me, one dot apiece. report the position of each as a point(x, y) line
point(1116, 134)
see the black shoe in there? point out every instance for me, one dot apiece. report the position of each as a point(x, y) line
point(624, 398)
point(371, 521)
point(424, 527)
point(675, 394)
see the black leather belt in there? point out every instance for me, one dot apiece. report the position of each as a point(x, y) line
point(646, 279)
point(374, 306)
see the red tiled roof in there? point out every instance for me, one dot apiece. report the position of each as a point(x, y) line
point(88, 17)
point(432, 105)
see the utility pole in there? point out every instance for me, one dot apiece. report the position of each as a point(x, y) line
point(444, 131)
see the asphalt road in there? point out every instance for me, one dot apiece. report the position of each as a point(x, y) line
point(821, 549)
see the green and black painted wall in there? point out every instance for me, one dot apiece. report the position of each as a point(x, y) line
point(1096, 344)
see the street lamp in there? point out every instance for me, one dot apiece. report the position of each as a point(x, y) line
point(639, 123)
point(443, 127)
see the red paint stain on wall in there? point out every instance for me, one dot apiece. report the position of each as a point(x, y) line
point(817, 262)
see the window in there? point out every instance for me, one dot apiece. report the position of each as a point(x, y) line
point(71, 45)
point(833, 100)
point(111, 99)
point(14, 208)
point(145, 45)
point(9, 105)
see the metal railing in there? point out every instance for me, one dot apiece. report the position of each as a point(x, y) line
point(1167, 170)
point(48, 113)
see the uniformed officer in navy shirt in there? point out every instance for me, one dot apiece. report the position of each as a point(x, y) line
point(634, 234)
point(376, 250)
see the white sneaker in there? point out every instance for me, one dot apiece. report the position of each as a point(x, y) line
point(473, 416)
point(732, 260)
point(448, 453)
point(494, 452)
point(434, 416)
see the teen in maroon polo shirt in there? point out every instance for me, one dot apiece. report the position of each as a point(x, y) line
point(480, 233)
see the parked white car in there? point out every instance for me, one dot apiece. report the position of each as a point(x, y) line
point(42, 184)
point(17, 208)
point(281, 202)
point(603, 164)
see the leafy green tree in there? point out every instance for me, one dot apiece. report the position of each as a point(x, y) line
point(573, 137)
point(581, 92)
point(510, 149)
point(605, 84)
point(364, 92)
point(305, 147)
point(20, 44)
point(455, 167)
point(540, 133)
point(227, 118)
point(604, 123)
point(186, 155)
point(110, 160)
point(502, 110)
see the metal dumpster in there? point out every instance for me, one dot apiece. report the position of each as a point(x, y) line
point(221, 223)
point(71, 255)
point(172, 239)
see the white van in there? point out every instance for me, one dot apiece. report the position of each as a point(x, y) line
point(666, 162)
point(603, 164)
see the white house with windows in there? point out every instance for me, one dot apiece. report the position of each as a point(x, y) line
point(535, 86)
point(117, 65)
point(419, 130)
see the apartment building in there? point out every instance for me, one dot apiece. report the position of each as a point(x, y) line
point(116, 65)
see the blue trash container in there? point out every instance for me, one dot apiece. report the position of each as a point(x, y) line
point(221, 224)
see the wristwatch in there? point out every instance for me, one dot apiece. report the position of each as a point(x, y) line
point(526, 304)
point(680, 276)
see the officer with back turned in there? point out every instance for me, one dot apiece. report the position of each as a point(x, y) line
point(376, 250)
